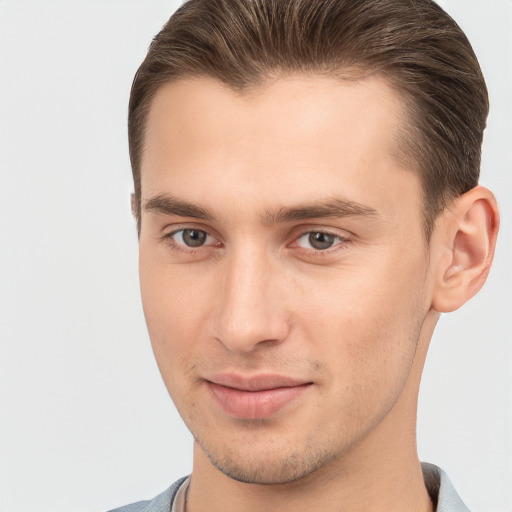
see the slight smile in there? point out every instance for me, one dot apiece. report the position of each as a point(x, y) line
point(254, 397)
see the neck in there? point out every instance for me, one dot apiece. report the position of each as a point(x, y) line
point(359, 481)
point(382, 472)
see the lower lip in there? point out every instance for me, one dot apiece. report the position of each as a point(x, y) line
point(254, 405)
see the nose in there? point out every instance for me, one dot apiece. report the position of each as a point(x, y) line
point(251, 310)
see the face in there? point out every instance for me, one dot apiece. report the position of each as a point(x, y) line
point(283, 267)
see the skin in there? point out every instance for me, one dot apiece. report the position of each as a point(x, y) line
point(352, 320)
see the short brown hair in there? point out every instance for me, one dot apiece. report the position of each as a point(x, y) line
point(419, 49)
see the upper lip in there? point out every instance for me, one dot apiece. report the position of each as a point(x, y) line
point(255, 382)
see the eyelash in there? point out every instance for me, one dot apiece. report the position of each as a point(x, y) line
point(182, 248)
point(339, 244)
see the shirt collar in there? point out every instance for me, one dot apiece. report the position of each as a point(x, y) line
point(438, 484)
point(441, 490)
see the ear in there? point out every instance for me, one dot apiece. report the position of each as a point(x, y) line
point(465, 238)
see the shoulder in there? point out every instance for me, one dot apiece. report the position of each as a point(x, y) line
point(161, 503)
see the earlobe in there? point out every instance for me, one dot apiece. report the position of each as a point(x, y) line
point(468, 241)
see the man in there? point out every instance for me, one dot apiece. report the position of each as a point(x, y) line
point(307, 199)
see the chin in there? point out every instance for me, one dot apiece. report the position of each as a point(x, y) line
point(270, 466)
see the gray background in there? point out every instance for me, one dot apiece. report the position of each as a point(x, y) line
point(85, 422)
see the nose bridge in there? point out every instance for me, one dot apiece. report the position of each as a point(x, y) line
point(249, 310)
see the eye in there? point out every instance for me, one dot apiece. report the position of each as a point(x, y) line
point(318, 240)
point(191, 237)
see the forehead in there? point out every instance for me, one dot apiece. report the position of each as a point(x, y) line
point(295, 138)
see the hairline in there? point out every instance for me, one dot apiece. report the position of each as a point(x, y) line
point(402, 149)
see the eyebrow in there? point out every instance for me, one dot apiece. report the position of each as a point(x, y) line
point(164, 204)
point(334, 207)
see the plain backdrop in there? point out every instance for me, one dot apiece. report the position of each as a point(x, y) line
point(85, 421)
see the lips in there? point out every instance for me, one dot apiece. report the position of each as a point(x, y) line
point(256, 397)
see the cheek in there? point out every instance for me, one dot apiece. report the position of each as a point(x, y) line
point(174, 308)
point(172, 296)
point(365, 325)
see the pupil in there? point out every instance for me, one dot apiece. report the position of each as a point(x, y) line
point(194, 237)
point(321, 240)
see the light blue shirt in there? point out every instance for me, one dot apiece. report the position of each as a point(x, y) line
point(436, 480)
